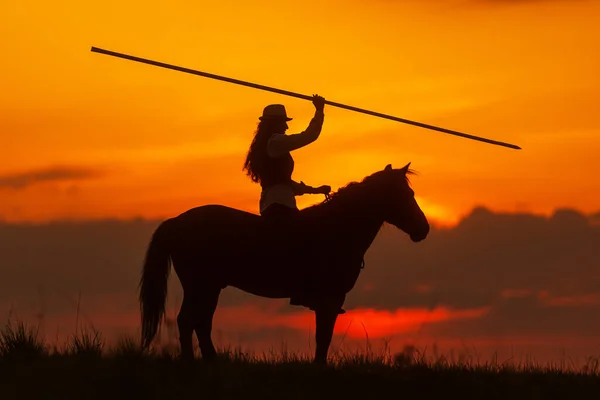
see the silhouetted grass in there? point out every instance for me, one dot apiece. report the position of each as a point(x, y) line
point(85, 369)
point(20, 342)
point(85, 344)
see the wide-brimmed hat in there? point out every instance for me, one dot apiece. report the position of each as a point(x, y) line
point(274, 111)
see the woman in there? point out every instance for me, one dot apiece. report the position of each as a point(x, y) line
point(270, 164)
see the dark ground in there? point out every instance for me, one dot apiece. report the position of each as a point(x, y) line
point(84, 370)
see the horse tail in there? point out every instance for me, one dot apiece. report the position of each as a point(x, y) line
point(153, 282)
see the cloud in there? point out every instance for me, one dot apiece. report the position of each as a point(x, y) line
point(493, 274)
point(23, 180)
point(476, 262)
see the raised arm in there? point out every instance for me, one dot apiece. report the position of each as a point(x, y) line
point(281, 144)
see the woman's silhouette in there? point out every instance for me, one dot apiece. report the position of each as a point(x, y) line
point(270, 164)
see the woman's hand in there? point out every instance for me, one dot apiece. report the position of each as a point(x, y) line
point(325, 189)
point(319, 102)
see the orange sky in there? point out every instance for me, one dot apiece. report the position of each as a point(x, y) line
point(153, 142)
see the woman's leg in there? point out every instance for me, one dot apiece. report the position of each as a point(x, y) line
point(281, 215)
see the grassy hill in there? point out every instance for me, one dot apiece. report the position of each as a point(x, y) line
point(85, 369)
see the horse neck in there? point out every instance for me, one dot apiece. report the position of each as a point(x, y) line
point(363, 233)
point(358, 223)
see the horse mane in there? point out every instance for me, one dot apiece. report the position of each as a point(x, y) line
point(354, 191)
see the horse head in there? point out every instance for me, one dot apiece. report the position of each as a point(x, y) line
point(398, 203)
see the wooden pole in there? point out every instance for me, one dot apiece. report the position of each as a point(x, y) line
point(300, 96)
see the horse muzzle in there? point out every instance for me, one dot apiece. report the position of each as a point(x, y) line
point(419, 236)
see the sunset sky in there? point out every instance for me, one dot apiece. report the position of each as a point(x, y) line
point(90, 137)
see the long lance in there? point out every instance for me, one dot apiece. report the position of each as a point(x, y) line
point(300, 96)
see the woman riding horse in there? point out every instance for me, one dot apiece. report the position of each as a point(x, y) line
point(270, 164)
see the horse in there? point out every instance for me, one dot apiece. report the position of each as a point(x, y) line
point(318, 255)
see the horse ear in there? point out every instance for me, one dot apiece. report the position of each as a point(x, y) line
point(388, 167)
point(406, 167)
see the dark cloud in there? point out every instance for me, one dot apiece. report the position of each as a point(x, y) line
point(534, 274)
point(538, 275)
point(25, 179)
point(50, 263)
point(472, 264)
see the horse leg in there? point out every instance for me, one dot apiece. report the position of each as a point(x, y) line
point(206, 306)
point(185, 323)
point(325, 318)
point(196, 314)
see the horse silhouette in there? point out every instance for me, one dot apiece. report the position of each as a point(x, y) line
point(319, 255)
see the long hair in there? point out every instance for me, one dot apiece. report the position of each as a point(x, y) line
point(258, 150)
